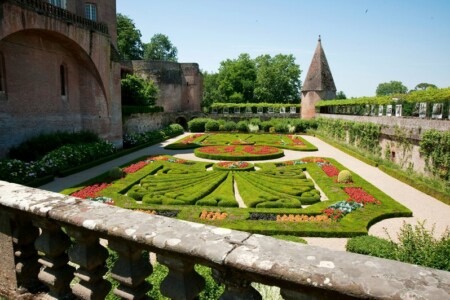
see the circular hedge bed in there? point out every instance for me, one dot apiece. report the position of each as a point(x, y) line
point(239, 152)
point(233, 166)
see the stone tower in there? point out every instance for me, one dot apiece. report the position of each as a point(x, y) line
point(318, 85)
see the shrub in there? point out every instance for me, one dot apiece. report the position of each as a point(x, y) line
point(371, 245)
point(265, 126)
point(229, 126)
point(417, 245)
point(344, 176)
point(176, 129)
point(138, 91)
point(197, 125)
point(212, 125)
point(281, 128)
point(70, 156)
point(115, 173)
point(242, 126)
point(35, 148)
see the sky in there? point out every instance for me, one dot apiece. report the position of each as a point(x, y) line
point(366, 42)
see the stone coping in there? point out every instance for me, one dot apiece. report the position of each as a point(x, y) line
point(259, 258)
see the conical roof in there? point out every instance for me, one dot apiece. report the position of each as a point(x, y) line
point(319, 77)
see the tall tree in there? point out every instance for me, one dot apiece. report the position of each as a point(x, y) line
point(390, 88)
point(237, 78)
point(341, 95)
point(277, 79)
point(425, 86)
point(160, 48)
point(211, 89)
point(128, 39)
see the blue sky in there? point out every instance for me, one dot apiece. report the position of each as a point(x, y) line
point(366, 41)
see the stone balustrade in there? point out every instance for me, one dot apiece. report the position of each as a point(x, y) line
point(43, 235)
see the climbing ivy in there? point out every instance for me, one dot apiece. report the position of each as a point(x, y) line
point(435, 146)
point(362, 135)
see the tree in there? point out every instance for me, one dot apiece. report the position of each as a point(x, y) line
point(138, 91)
point(236, 79)
point(341, 95)
point(211, 89)
point(128, 39)
point(277, 79)
point(425, 86)
point(160, 48)
point(391, 88)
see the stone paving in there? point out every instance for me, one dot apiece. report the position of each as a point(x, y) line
point(424, 207)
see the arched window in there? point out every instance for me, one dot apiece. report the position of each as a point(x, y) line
point(63, 80)
point(59, 3)
point(90, 11)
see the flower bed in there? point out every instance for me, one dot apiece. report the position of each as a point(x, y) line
point(293, 142)
point(135, 167)
point(359, 195)
point(213, 215)
point(330, 170)
point(234, 166)
point(91, 191)
point(238, 152)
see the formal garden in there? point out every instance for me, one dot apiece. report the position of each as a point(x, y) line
point(312, 196)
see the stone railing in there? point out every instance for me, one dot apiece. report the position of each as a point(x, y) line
point(41, 232)
point(45, 8)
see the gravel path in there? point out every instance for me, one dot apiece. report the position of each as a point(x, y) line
point(424, 207)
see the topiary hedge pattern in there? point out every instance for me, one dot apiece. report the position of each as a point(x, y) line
point(166, 183)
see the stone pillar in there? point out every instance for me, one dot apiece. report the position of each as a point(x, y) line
point(8, 280)
point(182, 282)
point(56, 273)
point(130, 270)
point(27, 266)
point(90, 256)
point(236, 287)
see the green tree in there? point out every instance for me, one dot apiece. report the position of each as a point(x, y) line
point(128, 39)
point(341, 95)
point(138, 91)
point(277, 79)
point(237, 79)
point(425, 86)
point(160, 48)
point(211, 89)
point(391, 88)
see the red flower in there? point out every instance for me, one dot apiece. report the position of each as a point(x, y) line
point(91, 191)
point(359, 195)
point(135, 167)
point(330, 170)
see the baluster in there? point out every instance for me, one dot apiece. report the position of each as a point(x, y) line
point(130, 270)
point(56, 273)
point(91, 257)
point(236, 287)
point(182, 282)
point(27, 266)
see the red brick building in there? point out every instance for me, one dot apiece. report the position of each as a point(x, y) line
point(59, 69)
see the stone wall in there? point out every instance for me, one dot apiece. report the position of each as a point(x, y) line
point(393, 130)
point(180, 85)
point(139, 123)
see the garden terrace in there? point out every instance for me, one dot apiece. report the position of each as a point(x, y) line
point(187, 188)
point(43, 231)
